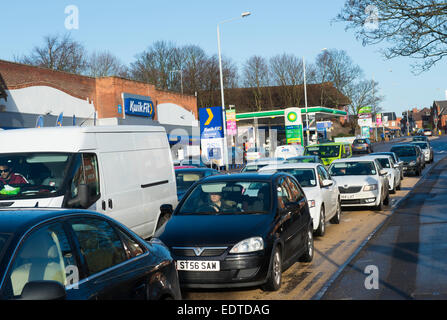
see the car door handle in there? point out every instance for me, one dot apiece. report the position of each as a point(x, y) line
point(104, 205)
point(110, 204)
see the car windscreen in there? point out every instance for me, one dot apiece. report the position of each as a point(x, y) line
point(232, 197)
point(364, 168)
point(404, 151)
point(323, 151)
point(422, 145)
point(31, 175)
point(385, 163)
point(306, 177)
point(185, 180)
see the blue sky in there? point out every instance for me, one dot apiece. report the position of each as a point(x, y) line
point(301, 27)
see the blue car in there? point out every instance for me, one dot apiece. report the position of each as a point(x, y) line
point(53, 254)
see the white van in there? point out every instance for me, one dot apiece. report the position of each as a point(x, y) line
point(125, 172)
point(289, 151)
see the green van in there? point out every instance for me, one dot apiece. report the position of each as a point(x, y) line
point(328, 152)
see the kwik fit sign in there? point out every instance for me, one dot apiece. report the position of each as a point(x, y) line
point(137, 105)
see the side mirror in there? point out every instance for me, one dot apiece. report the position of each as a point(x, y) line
point(82, 199)
point(327, 183)
point(166, 209)
point(382, 172)
point(43, 290)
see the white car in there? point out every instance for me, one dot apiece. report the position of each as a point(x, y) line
point(393, 172)
point(361, 181)
point(320, 189)
point(253, 154)
point(427, 150)
point(254, 166)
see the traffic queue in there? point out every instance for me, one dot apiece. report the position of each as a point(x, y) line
point(88, 215)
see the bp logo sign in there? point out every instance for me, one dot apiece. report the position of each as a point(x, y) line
point(292, 116)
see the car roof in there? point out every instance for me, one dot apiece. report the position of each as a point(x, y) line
point(403, 145)
point(19, 220)
point(379, 156)
point(265, 161)
point(246, 176)
point(327, 144)
point(355, 159)
point(192, 169)
point(305, 165)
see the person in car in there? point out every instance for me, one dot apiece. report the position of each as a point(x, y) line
point(8, 177)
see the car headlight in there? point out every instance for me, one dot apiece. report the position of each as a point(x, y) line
point(412, 163)
point(248, 245)
point(311, 203)
point(370, 187)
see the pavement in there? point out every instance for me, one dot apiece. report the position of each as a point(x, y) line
point(409, 251)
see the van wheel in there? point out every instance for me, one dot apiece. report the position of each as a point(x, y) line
point(275, 273)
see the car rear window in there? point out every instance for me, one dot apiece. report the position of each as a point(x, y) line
point(360, 141)
point(404, 151)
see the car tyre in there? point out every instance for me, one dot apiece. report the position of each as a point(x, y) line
point(275, 273)
point(379, 207)
point(336, 219)
point(321, 224)
point(309, 254)
point(386, 201)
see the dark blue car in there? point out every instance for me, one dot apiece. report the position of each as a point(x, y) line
point(74, 254)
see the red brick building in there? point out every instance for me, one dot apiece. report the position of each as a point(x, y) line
point(27, 92)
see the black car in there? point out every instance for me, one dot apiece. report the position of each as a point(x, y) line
point(362, 146)
point(239, 230)
point(48, 254)
point(411, 155)
point(186, 177)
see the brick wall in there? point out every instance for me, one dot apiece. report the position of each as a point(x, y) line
point(104, 92)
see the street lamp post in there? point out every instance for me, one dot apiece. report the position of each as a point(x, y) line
point(181, 78)
point(225, 151)
point(305, 103)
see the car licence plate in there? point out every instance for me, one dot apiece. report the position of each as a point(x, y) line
point(347, 196)
point(184, 265)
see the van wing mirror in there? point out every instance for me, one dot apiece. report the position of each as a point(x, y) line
point(166, 209)
point(83, 198)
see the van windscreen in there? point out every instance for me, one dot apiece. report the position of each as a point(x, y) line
point(33, 175)
point(323, 151)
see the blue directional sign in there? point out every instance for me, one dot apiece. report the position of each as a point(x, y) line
point(211, 123)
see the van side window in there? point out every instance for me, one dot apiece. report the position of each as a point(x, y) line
point(86, 171)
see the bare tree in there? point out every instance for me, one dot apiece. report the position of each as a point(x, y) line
point(104, 64)
point(287, 72)
point(412, 28)
point(256, 76)
point(60, 53)
point(154, 64)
